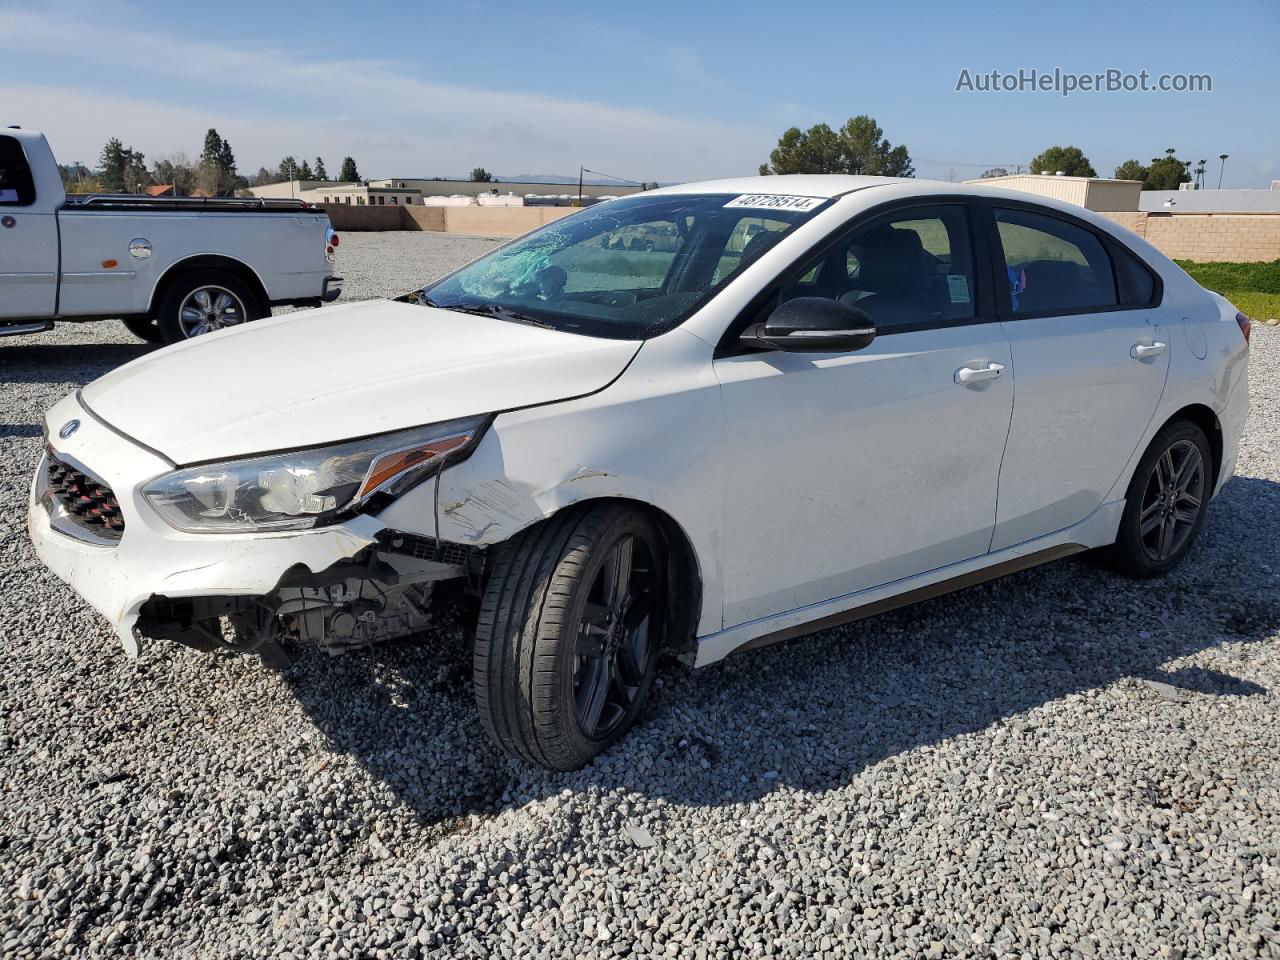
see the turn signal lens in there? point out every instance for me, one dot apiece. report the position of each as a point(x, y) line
point(391, 465)
point(1246, 325)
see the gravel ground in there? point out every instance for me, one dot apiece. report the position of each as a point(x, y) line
point(1058, 764)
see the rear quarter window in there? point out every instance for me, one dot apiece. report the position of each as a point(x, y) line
point(1137, 280)
point(17, 189)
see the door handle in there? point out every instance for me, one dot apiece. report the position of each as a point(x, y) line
point(967, 375)
point(1140, 351)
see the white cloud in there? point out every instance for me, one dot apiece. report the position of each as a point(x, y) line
point(288, 102)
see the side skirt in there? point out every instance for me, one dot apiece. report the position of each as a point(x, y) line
point(1096, 530)
point(918, 595)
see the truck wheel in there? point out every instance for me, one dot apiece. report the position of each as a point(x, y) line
point(203, 301)
point(144, 328)
point(568, 636)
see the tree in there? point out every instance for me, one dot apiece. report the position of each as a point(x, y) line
point(1165, 173)
point(1131, 170)
point(481, 175)
point(864, 150)
point(816, 150)
point(111, 166)
point(320, 172)
point(995, 172)
point(177, 169)
point(1070, 161)
point(77, 178)
point(122, 169)
point(217, 165)
point(304, 171)
point(265, 176)
point(288, 169)
point(348, 172)
point(858, 148)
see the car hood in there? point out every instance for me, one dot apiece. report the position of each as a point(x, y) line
point(340, 372)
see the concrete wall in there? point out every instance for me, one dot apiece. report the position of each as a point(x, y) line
point(482, 221)
point(351, 218)
point(500, 221)
point(1207, 237)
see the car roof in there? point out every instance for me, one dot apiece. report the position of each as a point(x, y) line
point(790, 185)
point(835, 185)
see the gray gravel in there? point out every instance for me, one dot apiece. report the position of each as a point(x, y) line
point(1059, 764)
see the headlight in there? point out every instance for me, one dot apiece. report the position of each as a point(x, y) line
point(291, 491)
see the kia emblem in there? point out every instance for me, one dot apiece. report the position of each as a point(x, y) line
point(68, 428)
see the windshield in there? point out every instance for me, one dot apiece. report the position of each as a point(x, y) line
point(626, 269)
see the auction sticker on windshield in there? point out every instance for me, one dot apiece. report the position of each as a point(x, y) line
point(768, 201)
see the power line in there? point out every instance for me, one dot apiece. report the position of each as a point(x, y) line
point(612, 177)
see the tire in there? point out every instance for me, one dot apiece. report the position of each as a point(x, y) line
point(1168, 496)
point(553, 639)
point(183, 314)
point(144, 328)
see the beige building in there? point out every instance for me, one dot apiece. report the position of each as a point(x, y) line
point(1092, 193)
point(473, 188)
point(334, 191)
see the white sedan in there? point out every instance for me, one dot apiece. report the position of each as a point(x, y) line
point(825, 397)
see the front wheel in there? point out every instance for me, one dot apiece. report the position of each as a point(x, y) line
point(203, 301)
point(568, 636)
point(1166, 502)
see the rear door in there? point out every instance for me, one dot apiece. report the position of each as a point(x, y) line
point(1090, 357)
point(28, 239)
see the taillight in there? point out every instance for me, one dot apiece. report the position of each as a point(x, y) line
point(1245, 325)
point(334, 241)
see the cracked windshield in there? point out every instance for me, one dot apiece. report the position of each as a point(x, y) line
point(626, 269)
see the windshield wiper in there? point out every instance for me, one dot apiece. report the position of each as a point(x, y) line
point(492, 310)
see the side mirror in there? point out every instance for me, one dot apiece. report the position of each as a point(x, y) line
point(812, 325)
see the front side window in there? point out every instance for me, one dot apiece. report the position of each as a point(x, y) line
point(1053, 266)
point(904, 269)
point(17, 189)
point(628, 268)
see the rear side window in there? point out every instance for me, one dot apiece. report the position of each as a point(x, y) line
point(1137, 282)
point(1054, 266)
point(16, 186)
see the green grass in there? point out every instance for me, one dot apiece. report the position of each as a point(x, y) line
point(1254, 288)
point(1259, 306)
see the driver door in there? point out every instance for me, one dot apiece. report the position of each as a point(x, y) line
point(846, 471)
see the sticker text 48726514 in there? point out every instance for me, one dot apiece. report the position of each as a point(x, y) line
point(769, 201)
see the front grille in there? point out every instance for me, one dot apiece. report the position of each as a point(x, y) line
point(84, 501)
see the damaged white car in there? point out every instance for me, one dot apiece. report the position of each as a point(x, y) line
point(798, 411)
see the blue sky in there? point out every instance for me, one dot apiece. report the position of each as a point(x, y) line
point(658, 90)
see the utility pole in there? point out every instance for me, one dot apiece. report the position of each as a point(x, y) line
point(581, 171)
point(1223, 158)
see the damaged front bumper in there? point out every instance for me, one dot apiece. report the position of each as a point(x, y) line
point(354, 582)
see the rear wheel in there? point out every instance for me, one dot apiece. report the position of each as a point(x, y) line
point(1166, 502)
point(203, 301)
point(568, 636)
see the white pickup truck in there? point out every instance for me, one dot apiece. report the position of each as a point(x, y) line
point(169, 267)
